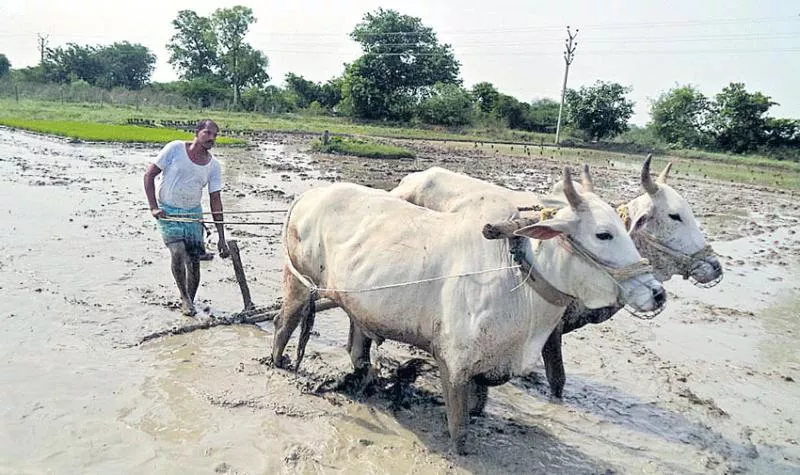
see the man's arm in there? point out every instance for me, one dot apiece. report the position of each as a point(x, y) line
point(215, 200)
point(150, 190)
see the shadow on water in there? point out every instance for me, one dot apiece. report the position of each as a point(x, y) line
point(497, 442)
point(610, 405)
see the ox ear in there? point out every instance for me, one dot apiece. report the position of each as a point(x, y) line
point(547, 229)
point(638, 222)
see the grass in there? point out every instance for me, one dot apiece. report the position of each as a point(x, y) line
point(360, 148)
point(94, 132)
point(246, 121)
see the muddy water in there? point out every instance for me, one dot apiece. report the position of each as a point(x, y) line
point(711, 385)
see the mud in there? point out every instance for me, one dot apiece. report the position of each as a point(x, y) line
point(710, 386)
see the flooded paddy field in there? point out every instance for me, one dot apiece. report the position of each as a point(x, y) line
point(712, 385)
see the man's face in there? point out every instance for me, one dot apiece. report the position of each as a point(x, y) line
point(207, 137)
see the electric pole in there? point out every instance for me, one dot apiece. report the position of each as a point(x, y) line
point(42, 46)
point(569, 55)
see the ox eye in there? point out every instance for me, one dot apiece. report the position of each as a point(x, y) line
point(676, 217)
point(604, 236)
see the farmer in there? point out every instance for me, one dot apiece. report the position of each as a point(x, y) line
point(187, 168)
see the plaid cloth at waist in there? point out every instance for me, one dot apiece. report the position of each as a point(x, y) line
point(191, 233)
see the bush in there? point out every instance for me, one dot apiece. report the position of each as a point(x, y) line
point(360, 148)
point(449, 105)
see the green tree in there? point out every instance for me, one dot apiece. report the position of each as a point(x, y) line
point(72, 62)
point(118, 65)
point(449, 104)
point(243, 66)
point(5, 65)
point(402, 58)
point(679, 115)
point(125, 65)
point(516, 114)
point(193, 47)
point(600, 111)
point(781, 133)
point(212, 50)
point(305, 92)
point(543, 115)
point(738, 118)
point(485, 95)
point(330, 93)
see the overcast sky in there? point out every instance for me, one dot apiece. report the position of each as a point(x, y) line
point(514, 44)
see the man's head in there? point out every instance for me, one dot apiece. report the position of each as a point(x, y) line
point(205, 133)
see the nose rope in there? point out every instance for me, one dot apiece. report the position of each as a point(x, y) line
point(686, 262)
point(617, 274)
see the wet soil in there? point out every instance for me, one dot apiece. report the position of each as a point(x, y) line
point(710, 386)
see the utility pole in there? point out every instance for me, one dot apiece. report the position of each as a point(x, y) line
point(42, 46)
point(569, 55)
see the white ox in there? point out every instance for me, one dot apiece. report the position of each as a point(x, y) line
point(430, 279)
point(661, 224)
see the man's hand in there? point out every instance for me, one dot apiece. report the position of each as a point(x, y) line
point(222, 247)
point(158, 213)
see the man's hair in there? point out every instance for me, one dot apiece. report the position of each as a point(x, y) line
point(204, 124)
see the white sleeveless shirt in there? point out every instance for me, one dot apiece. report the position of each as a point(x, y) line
point(182, 180)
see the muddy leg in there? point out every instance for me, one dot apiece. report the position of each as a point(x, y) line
point(478, 395)
point(554, 362)
point(179, 265)
point(295, 306)
point(359, 345)
point(192, 276)
point(455, 402)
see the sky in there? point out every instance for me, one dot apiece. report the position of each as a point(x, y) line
point(517, 45)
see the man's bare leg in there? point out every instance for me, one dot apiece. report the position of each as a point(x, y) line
point(180, 265)
point(192, 276)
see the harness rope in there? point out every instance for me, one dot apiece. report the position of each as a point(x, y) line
point(686, 262)
point(317, 289)
point(180, 219)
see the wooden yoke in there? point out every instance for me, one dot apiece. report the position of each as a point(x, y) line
point(506, 229)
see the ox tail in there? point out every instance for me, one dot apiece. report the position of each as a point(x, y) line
point(289, 264)
point(306, 324)
point(310, 308)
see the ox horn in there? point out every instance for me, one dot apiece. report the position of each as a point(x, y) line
point(647, 181)
point(574, 199)
point(586, 179)
point(662, 178)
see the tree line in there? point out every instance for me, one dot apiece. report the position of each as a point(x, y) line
point(406, 75)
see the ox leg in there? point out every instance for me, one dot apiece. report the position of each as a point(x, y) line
point(478, 396)
point(359, 345)
point(554, 362)
point(296, 306)
point(456, 396)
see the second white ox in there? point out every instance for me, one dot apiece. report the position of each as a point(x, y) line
point(430, 279)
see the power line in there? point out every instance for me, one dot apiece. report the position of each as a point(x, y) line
point(597, 26)
point(550, 53)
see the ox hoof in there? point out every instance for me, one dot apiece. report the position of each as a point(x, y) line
point(458, 446)
point(282, 362)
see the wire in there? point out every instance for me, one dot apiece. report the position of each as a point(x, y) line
point(495, 31)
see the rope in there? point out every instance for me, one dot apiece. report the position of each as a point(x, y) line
point(314, 288)
point(233, 212)
point(622, 211)
point(178, 219)
point(226, 212)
